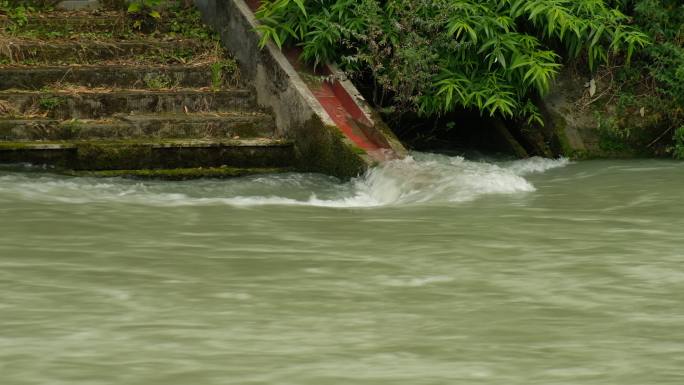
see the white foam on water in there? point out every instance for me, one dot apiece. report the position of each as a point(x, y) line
point(424, 178)
point(417, 179)
point(414, 281)
point(536, 165)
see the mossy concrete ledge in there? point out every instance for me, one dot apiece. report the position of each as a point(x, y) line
point(321, 145)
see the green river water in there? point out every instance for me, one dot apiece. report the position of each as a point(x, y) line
point(430, 270)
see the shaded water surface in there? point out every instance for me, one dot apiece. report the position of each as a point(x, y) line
point(431, 270)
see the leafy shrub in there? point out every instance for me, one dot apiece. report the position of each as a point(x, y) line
point(663, 20)
point(144, 14)
point(656, 77)
point(436, 56)
point(17, 14)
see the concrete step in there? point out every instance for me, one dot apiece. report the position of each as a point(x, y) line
point(182, 173)
point(97, 104)
point(120, 126)
point(65, 22)
point(151, 154)
point(36, 78)
point(60, 51)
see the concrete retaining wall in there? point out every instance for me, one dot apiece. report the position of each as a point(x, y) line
point(322, 146)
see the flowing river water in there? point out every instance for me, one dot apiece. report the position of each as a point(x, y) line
point(430, 270)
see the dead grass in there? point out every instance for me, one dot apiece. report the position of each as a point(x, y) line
point(6, 108)
point(23, 51)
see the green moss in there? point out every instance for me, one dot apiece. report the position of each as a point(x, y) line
point(12, 146)
point(323, 148)
point(138, 155)
point(180, 173)
point(70, 129)
point(223, 72)
point(559, 125)
point(96, 156)
point(610, 143)
point(158, 81)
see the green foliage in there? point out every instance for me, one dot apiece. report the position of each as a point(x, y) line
point(186, 22)
point(656, 78)
point(144, 14)
point(70, 128)
point(221, 72)
point(437, 56)
point(32, 5)
point(663, 20)
point(17, 14)
point(49, 103)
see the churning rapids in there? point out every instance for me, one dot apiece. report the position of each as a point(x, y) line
point(419, 179)
point(426, 271)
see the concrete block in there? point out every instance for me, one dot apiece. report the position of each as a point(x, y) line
point(72, 5)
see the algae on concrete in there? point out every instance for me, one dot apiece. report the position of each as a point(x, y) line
point(180, 173)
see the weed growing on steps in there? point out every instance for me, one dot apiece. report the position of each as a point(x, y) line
point(159, 81)
point(187, 23)
point(49, 103)
point(18, 11)
point(221, 71)
point(17, 14)
point(144, 14)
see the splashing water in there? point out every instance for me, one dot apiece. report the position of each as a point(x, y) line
point(420, 178)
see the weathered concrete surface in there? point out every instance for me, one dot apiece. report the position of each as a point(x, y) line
point(161, 154)
point(97, 104)
point(601, 125)
point(130, 113)
point(115, 107)
point(37, 78)
point(124, 126)
point(321, 145)
point(572, 127)
point(106, 21)
point(79, 4)
point(82, 52)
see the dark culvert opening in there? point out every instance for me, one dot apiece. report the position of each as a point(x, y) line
point(464, 132)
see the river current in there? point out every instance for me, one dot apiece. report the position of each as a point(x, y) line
point(432, 270)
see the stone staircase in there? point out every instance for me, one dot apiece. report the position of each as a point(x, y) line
point(83, 93)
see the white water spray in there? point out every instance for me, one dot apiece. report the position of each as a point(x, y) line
point(418, 179)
